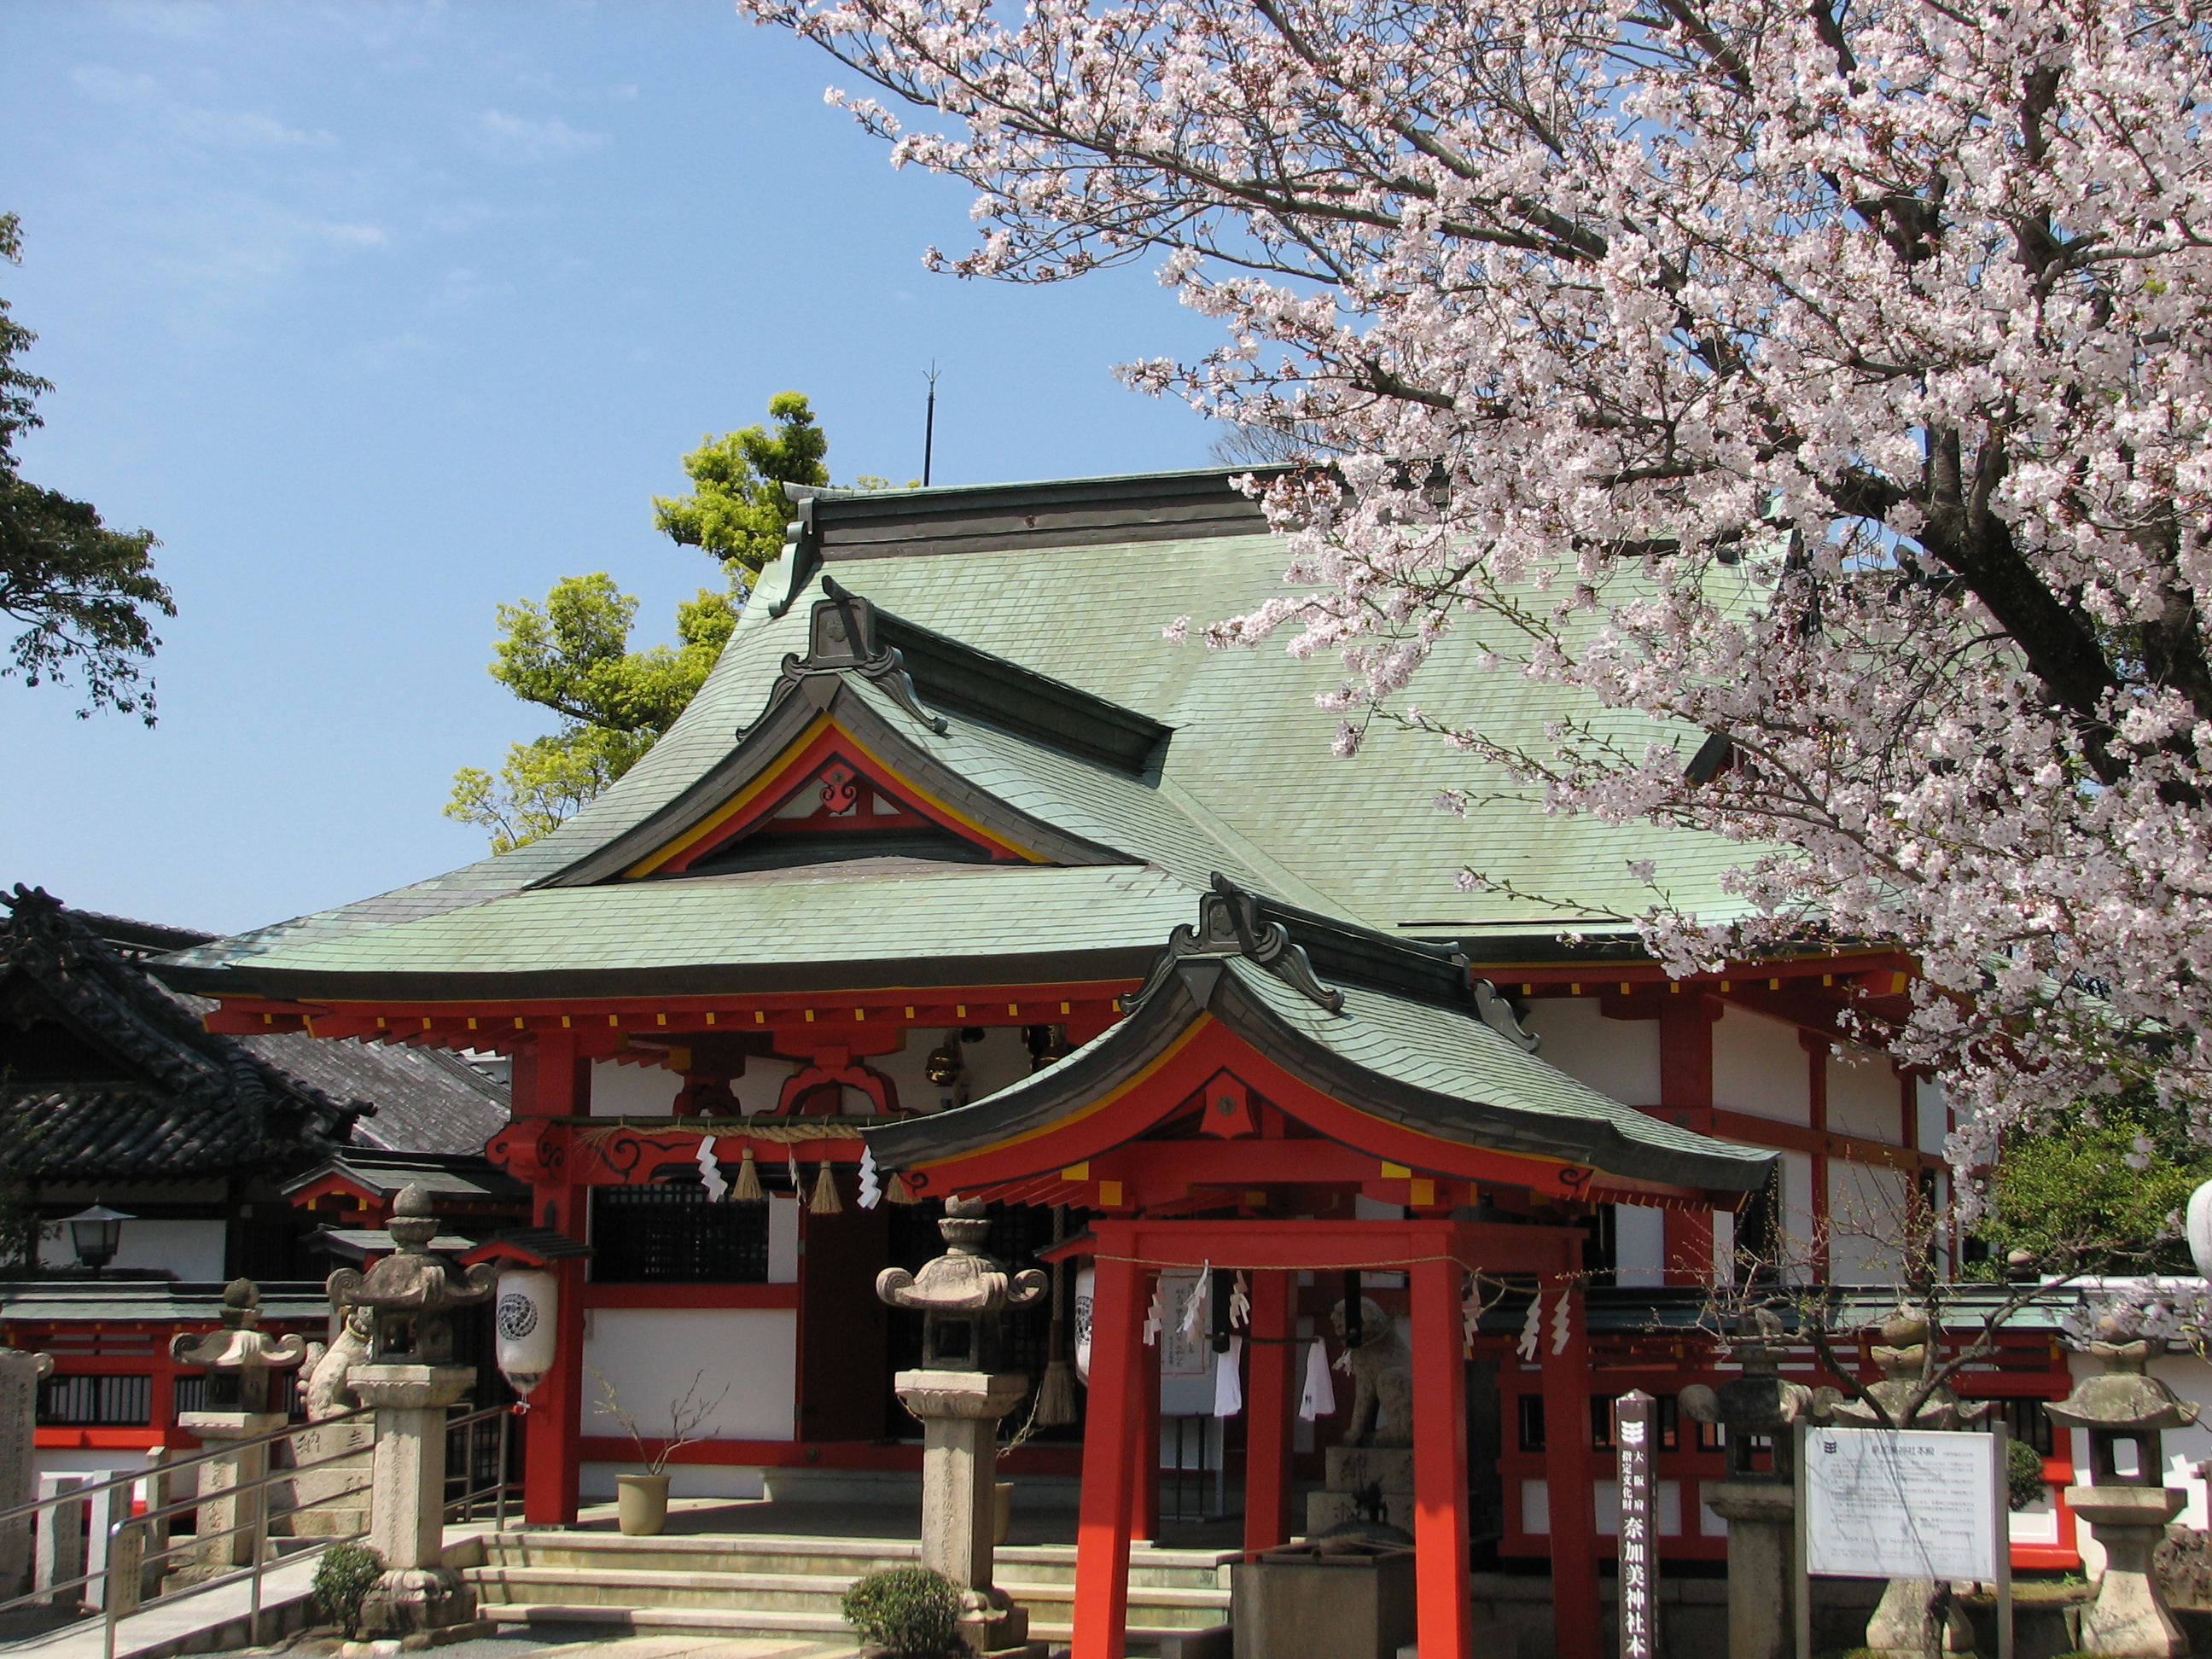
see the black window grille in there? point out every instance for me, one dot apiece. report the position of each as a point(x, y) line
point(1531, 1425)
point(2025, 1420)
point(288, 1393)
point(96, 1402)
point(672, 1233)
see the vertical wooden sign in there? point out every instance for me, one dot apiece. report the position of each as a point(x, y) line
point(1636, 1434)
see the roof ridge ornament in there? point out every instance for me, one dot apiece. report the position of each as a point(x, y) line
point(1229, 925)
point(1495, 1012)
point(840, 639)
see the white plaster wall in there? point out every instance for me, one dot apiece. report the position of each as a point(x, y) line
point(651, 1356)
point(783, 1239)
point(760, 1089)
point(685, 1480)
point(1666, 1507)
point(636, 1091)
point(1798, 1207)
point(1724, 1246)
point(1760, 1067)
point(1935, 1114)
point(1639, 1238)
point(1616, 1057)
point(1864, 1099)
point(1866, 1222)
point(183, 1250)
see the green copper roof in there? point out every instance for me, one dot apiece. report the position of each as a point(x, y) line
point(1247, 785)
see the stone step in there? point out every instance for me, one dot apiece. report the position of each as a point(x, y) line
point(1143, 1637)
point(844, 1558)
point(808, 1594)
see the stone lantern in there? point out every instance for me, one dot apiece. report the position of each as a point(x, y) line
point(410, 1298)
point(2127, 1513)
point(234, 1410)
point(1759, 1505)
point(962, 1296)
point(1915, 1616)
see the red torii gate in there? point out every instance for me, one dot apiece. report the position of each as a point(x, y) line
point(1219, 1125)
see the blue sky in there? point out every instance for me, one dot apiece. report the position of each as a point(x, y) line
point(378, 315)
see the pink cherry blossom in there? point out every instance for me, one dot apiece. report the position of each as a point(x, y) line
point(1828, 379)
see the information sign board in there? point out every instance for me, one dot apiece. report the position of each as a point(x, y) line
point(1904, 1504)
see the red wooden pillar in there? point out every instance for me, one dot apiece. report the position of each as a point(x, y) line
point(1267, 1414)
point(552, 1080)
point(552, 1468)
point(1442, 1617)
point(1145, 1443)
point(1686, 1097)
point(1118, 1360)
point(1567, 1472)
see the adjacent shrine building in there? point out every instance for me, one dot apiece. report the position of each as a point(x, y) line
point(957, 876)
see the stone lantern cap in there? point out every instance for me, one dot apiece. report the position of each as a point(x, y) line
point(962, 1293)
point(1902, 1353)
point(1758, 1401)
point(412, 1294)
point(2123, 1399)
point(964, 1279)
point(237, 1346)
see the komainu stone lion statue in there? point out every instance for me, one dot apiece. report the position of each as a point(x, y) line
point(1382, 1379)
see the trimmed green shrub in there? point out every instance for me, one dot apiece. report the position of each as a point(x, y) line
point(344, 1577)
point(908, 1611)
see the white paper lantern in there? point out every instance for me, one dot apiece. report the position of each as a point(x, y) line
point(2200, 1228)
point(524, 1317)
point(1086, 1285)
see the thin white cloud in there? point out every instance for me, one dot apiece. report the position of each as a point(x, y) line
point(110, 85)
point(521, 140)
point(244, 128)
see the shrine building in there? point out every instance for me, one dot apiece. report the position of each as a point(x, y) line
point(958, 877)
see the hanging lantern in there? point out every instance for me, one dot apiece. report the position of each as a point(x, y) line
point(2199, 1230)
point(1087, 1286)
point(943, 1067)
point(525, 1318)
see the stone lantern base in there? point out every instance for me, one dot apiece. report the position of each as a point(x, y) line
point(2129, 1618)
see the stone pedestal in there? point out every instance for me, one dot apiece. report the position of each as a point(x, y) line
point(20, 1374)
point(2129, 1616)
point(959, 1412)
point(1917, 1619)
point(1357, 1475)
point(225, 1536)
point(1761, 1520)
point(418, 1597)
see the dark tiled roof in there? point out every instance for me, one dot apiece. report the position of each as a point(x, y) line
point(183, 1101)
point(442, 1176)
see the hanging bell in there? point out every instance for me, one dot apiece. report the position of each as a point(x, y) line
point(943, 1067)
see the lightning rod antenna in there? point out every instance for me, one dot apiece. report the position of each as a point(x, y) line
point(929, 424)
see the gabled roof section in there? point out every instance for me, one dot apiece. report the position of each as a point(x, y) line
point(1455, 1079)
point(843, 727)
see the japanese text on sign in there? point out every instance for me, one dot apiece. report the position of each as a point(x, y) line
point(1634, 1433)
point(1902, 1504)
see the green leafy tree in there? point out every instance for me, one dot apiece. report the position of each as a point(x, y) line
point(572, 654)
point(83, 594)
point(737, 509)
point(2100, 1193)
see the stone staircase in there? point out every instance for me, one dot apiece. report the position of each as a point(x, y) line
point(733, 1584)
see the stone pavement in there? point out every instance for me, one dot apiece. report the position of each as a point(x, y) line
point(539, 1646)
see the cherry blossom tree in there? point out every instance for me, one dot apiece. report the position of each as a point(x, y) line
point(1817, 395)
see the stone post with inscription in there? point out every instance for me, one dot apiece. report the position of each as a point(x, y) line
point(2127, 1512)
point(1634, 1435)
point(1758, 1413)
point(959, 1401)
point(20, 1373)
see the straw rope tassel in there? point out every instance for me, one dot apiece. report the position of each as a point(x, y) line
point(746, 1189)
point(1055, 1400)
point(899, 1192)
point(826, 1200)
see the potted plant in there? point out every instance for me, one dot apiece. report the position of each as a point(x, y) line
point(641, 1500)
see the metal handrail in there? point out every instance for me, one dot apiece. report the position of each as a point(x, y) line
point(126, 1556)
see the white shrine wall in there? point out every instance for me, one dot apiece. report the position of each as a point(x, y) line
point(189, 1250)
point(652, 1355)
point(1863, 1096)
point(1760, 1067)
point(1616, 1057)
